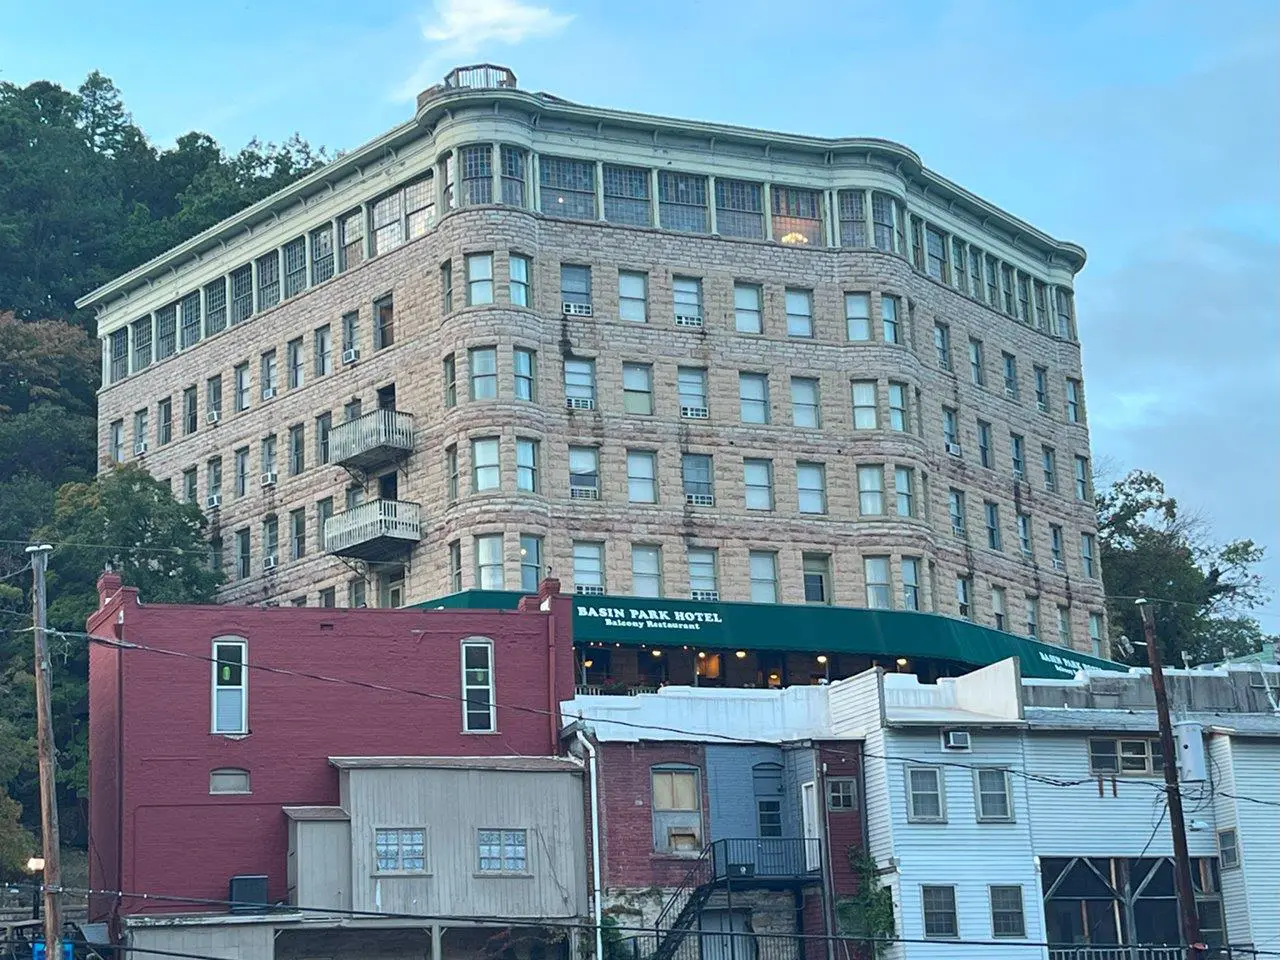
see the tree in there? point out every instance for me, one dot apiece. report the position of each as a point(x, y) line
point(1200, 592)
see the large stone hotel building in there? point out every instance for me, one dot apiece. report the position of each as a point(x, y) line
point(518, 335)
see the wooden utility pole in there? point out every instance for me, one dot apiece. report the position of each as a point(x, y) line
point(1181, 861)
point(44, 745)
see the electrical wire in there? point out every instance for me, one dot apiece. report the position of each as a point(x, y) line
point(108, 546)
point(16, 573)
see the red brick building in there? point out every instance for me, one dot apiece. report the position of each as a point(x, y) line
point(195, 752)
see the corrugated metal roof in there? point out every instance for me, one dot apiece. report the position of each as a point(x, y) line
point(316, 813)
point(1144, 721)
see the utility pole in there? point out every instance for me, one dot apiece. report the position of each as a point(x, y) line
point(44, 745)
point(1181, 860)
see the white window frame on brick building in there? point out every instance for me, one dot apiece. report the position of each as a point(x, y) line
point(580, 384)
point(479, 712)
point(527, 465)
point(229, 696)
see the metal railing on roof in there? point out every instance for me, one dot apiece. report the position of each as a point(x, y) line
point(480, 76)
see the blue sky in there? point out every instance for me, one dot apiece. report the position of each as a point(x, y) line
point(1146, 130)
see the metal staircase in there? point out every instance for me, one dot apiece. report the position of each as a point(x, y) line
point(680, 914)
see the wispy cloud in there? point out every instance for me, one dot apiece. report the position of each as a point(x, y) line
point(465, 28)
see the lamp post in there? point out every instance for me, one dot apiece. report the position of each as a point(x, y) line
point(35, 865)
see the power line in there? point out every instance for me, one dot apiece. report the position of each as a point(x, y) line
point(109, 546)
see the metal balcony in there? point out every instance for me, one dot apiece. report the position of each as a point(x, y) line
point(766, 861)
point(379, 531)
point(373, 440)
point(480, 76)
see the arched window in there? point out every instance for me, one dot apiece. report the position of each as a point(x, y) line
point(766, 782)
point(229, 780)
point(677, 809)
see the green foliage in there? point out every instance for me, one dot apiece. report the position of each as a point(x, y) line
point(84, 197)
point(1149, 548)
point(868, 912)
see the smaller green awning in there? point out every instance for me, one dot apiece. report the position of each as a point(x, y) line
point(807, 628)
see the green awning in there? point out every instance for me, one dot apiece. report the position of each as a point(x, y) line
point(807, 628)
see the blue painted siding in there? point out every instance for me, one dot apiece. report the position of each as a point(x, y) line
point(731, 789)
point(799, 765)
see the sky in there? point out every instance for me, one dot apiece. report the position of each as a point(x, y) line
point(1145, 130)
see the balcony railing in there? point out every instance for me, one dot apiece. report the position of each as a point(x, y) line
point(612, 689)
point(480, 76)
point(371, 440)
point(1132, 952)
point(766, 858)
point(377, 531)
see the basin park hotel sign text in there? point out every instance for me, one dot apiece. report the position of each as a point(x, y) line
point(648, 618)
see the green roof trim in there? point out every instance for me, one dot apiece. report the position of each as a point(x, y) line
point(809, 628)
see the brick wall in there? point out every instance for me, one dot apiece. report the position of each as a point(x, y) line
point(845, 829)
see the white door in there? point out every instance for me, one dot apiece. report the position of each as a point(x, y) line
point(812, 833)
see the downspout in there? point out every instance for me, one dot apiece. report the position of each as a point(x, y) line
point(553, 698)
point(596, 897)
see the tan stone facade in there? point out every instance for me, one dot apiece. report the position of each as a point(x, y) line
point(426, 334)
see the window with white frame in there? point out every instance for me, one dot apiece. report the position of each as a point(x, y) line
point(753, 397)
point(806, 408)
point(483, 365)
point(938, 903)
point(926, 802)
point(1095, 633)
point(642, 476)
point(1228, 849)
point(739, 209)
point(686, 293)
point(633, 296)
point(758, 481)
point(637, 389)
point(479, 279)
point(503, 851)
point(951, 430)
point(525, 370)
point(478, 708)
point(527, 465)
point(568, 187)
point(588, 567)
point(575, 287)
point(1134, 757)
point(992, 791)
point(1025, 540)
point(230, 686)
point(485, 472)
point(400, 849)
point(584, 473)
point(489, 561)
point(704, 580)
point(904, 488)
point(747, 308)
point(811, 487)
point(898, 409)
point(518, 275)
point(865, 416)
point(1055, 545)
point(871, 489)
point(763, 570)
point(682, 201)
point(1007, 916)
point(799, 307)
point(626, 195)
point(1033, 617)
point(646, 570)
point(1049, 467)
point(879, 589)
point(691, 384)
point(580, 384)
point(890, 310)
point(910, 567)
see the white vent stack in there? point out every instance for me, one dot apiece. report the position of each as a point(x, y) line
point(1188, 741)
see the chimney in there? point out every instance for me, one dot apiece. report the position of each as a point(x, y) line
point(549, 587)
point(109, 584)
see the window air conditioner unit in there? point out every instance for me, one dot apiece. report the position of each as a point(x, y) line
point(694, 413)
point(584, 493)
point(269, 478)
point(269, 562)
point(957, 530)
point(956, 740)
point(214, 417)
point(1027, 552)
point(248, 894)
point(1059, 565)
point(350, 356)
point(688, 320)
point(580, 403)
point(700, 499)
point(213, 501)
point(710, 596)
point(588, 589)
point(953, 448)
point(1011, 393)
point(140, 448)
point(268, 393)
point(575, 309)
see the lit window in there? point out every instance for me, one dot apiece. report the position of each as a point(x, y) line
point(478, 709)
point(230, 685)
point(797, 216)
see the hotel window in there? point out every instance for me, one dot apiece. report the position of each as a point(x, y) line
point(936, 255)
point(241, 373)
point(324, 425)
point(525, 368)
point(904, 489)
point(882, 217)
point(351, 239)
point(889, 313)
point(799, 306)
point(518, 274)
point(1064, 627)
point(697, 479)
point(323, 350)
point(241, 294)
point(1041, 376)
point(1024, 534)
point(797, 216)
point(478, 710)
point(215, 306)
point(1033, 617)
point(677, 810)
point(1042, 306)
point(925, 799)
point(762, 567)
point(243, 560)
point(746, 308)
point(575, 288)
point(898, 419)
point(805, 402)
point(451, 471)
point(486, 473)
point(977, 368)
point(297, 450)
point(1024, 298)
point(1087, 551)
point(1063, 301)
point(864, 405)
point(753, 397)
point(959, 275)
point(642, 476)
point(816, 568)
point(857, 316)
point(242, 471)
point(324, 510)
point(739, 209)
point(356, 594)
point(682, 201)
point(167, 331)
point(322, 263)
point(646, 570)
point(267, 375)
point(512, 159)
point(984, 444)
point(851, 205)
point(140, 432)
point(450, 379)
point(190, 412)
point(1095, 634)
point(951, 430)
point(1049, 467)
point(267, 454)
point(991, 512)
point(189, 482)
point(879, 589)
point(164, 421)
point(295, 267)
point(633, 296)
point(483, 365)
point(1017, 455)
point(704, 579)
point(871, 490)
point(446, 285)
point(1075, 413)
point(230, 684)
point(475, 166)
point(190, 307)
point(588, 567)
point(691, 385)
point(293, 360)
point(568, 187)
point(479, 279)
point(811, 487)
point(964, 597)
point(993, 282)
point(975, 273)
point(503, 851)
point(998, 607)
point(489, 561)
point(992, 788)
point(268, 280)
point(384, 322)
point(527, 465)
point(687, 301)
point(917, 243)
point(530, 561)
point(402, 215)
point(584, 473)
point(1055, 546)
point(955, 507)
point(910, 567)
point(297, 533)
point(758, 480)
point(1009, 366)
point(942, 345)
point(637, 389)
point(626, 195)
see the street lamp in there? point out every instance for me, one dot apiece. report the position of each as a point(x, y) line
point(35, 865)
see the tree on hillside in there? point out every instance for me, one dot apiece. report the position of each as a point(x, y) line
point(1149, 548)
